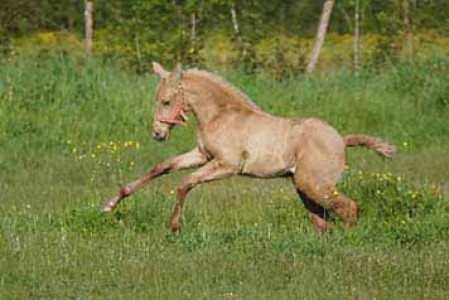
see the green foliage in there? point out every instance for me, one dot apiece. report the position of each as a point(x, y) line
point(274, 36)
point(401, 212)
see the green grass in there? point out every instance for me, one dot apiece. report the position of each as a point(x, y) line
point(241, 238)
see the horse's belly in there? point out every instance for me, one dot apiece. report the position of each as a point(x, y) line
point(269, 152)
point(267, 167)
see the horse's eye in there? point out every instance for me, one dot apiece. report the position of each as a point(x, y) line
point(166, 102)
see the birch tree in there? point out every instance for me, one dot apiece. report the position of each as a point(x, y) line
point(321, 33)
point(356, 37)
point(238, 34)
point(89, 6)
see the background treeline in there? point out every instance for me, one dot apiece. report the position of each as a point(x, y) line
point(257, 34)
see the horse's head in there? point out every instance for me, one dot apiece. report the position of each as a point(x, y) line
point(170, 109)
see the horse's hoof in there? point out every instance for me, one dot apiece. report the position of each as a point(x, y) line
point(176, 229)
point(108, 208)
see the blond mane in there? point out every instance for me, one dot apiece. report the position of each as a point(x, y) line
point(239, 95)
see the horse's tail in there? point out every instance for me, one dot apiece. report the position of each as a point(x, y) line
point(374, 143)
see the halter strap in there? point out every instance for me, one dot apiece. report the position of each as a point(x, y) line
point(177, 110)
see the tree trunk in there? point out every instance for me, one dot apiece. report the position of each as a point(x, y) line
point(322, 28)
point(193, 22)
point(237, 31)
point(356, 38)
point(407, 28)
point(89, 6)
point(138, 54)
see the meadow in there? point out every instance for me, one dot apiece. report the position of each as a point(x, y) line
point(72, 132)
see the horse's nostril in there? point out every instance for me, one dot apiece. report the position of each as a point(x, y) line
point(158, 136)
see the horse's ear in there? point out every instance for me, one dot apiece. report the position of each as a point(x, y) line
point(177, 72)
point(159, 70)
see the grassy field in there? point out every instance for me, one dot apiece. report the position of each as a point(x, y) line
point(71, 133)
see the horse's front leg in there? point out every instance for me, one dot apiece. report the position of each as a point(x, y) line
point(213, 170)
point(193, 159)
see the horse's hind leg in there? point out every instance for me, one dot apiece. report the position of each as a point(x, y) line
point(345, 208)
point(318, 214)
point(318, 170)
point(319, 198)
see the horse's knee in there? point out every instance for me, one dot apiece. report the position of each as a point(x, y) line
point(125, 191)
point(185, 186)
point(183, 189)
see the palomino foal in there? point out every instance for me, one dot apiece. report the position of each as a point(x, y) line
point(235, 137)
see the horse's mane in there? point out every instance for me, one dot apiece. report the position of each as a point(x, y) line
point(239, 95)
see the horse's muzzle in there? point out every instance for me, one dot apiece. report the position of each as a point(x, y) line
point(160, 137)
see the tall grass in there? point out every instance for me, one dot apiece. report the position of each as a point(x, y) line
point(72, 132)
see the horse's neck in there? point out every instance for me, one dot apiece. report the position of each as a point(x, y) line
point(203, 105)
point(209, 99)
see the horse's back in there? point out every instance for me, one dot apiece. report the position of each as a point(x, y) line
point(318, 133)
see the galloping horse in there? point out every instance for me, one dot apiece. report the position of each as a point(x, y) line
point(235, 137)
